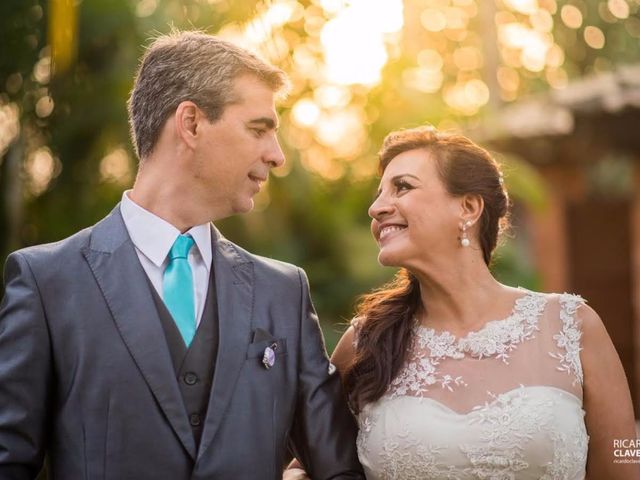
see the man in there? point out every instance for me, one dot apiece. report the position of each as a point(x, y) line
point(150, 347)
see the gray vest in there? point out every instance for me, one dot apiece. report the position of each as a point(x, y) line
point(194, 366)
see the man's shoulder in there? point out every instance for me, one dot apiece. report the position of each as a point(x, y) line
point(106, 231)
point(267, 265)
point(60, 249)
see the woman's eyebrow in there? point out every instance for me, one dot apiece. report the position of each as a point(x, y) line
point(398, 177)
point(394, 180)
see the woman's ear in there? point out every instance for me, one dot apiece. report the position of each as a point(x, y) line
point(471, 206)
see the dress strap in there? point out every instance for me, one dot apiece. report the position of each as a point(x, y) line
point(568, 339)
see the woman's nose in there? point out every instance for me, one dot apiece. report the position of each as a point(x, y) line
point(380, 208)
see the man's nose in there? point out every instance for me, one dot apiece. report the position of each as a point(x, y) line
point(275, 156)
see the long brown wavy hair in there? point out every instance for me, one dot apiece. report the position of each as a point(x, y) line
point(385, 317)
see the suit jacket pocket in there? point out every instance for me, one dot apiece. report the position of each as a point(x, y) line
point(256, 349)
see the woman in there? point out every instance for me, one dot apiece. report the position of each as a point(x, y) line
point(453, 375)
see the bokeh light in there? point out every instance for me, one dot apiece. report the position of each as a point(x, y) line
point(305, 112)
point(594, 37)
point(115, 167)
point(354, 49)
point(571, 16)
point(619, 8)
point(9, 125)
point(41, 167)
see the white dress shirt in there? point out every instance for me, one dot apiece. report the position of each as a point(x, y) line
point(153, 238)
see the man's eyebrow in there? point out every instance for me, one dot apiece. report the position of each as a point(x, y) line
point(265, 121)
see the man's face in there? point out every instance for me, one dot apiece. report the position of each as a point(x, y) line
point(236, 152)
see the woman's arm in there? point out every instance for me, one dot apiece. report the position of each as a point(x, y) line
point(607, 401)
point(344, 352)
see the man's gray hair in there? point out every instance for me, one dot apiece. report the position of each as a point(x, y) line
point(191, 66)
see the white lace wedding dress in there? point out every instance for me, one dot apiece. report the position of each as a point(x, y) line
point(504, 402)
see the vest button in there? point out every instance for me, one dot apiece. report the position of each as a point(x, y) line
point(190, 378)
point(194, 419)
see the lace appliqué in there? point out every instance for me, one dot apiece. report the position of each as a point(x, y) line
point(569, 338)
point(502, 336)
point(497, 338)
point(428, 349)
point(569, 454)
point(413, 461)
point(508, 423)
point(366, 421)
point(404, 458)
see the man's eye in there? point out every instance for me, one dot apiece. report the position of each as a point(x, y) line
point(258, 132)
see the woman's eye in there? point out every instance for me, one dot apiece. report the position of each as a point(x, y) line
point(400, 186)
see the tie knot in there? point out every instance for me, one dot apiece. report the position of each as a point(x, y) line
point(181, 247)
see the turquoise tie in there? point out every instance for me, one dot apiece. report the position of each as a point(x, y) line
point(177, 286)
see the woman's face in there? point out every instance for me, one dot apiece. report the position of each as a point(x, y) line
point(414, 218)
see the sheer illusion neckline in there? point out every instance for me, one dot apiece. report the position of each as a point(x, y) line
point(518, 302)
point(494, 338)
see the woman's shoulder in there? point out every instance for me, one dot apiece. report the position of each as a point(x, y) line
point(573, 312)
point(345, 349)
point(356, 323)
point(567, 303)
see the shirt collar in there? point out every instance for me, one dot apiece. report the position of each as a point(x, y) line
point(154, 236)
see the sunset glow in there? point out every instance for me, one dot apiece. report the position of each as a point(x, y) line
point(354, 49)
point(336, 52)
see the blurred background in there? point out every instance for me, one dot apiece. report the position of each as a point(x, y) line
point(551, 87)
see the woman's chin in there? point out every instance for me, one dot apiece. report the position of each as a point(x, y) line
point(387, 259)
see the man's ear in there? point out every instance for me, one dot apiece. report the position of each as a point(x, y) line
point(187, 117)
point(471, 207)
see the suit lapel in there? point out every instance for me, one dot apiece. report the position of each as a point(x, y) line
point(122, 280)
point(234, 288)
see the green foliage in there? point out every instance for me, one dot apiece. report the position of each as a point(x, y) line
point(318, 223)
point(524, 182)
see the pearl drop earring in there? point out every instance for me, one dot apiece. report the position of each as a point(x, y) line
point(464, 240)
